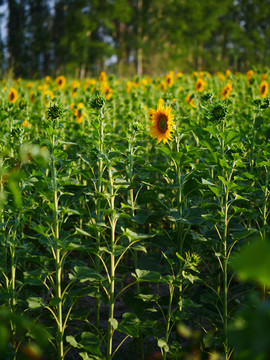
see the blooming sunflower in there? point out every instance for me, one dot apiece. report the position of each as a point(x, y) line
point(26, 124)
point(13, 95)
point(79, 112)
point(220, 76)
point(226, 91)
point(200, 85)
point(129, 86)
point(48, 96)
point(107, 91)
point(90, 83)
point(250, 74)
point(264, 89)
point(33, 96)
point(47, 79)
point(201, 74)
point(61, 81)
point(170, 78)
point(163, 85)
point(190, 100)
point(102, 77)
point(75, 86)
point(162, 124)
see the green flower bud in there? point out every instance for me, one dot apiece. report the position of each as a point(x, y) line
point(217, 112)
point(97, 102)
point(54, 111)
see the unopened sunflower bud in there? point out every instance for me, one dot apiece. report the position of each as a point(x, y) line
point(54, 111)
point(97, 102)
point(217, 112)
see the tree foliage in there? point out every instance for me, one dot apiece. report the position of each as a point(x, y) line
point(81, 36)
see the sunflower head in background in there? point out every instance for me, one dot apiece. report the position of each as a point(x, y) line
point(162, 124)
point(13, 95)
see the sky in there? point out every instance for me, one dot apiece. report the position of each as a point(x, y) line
point(3, 22)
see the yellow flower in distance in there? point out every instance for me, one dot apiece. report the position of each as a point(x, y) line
point(47, 79)
point(201, 74)
point(190, 100)
point(220, 76)
point(90, 83)
point(264, 89)
point(61, 81)
point(48, 96)
point(169, 79)
point(30, 85)
point(200, 85)
point(75, 86)
point(33, 96)
point(102, 77)
point(226, 91)
point(162, 123)
point(79, 112)
point(163, 85)
point(107, 91)
point(130, 85)
point(26, 124)
point(13, 95)
point(250, 74)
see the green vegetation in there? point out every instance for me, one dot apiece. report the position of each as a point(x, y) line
point(125, 206)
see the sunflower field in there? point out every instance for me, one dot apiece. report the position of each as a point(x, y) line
point(134, 217)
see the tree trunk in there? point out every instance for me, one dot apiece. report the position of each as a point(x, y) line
point(139, 40)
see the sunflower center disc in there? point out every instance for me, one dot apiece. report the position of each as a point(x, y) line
point(162, 125)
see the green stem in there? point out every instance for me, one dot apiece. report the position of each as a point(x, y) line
point(58, 265)
point(112, 271)
point(225, 275)
point(265, 201)
point(253, 142)
point(2, 219)
point(222, 139)
point(99, 215)
point(180, 237)
point(180, 209)
point(135, 255)
point(167, 333)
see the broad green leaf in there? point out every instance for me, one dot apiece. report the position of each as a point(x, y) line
point(91, 343)
point(146, 275)
point(131, 235)
point(114, 323)
point(163, 345)
point(35, 303)
point(129, 324)
point(82, 232)
point(83, 274)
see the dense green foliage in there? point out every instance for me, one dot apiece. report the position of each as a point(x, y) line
point(114, 246)
point(78, 37)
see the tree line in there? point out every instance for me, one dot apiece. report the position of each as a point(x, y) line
point(82, 37)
